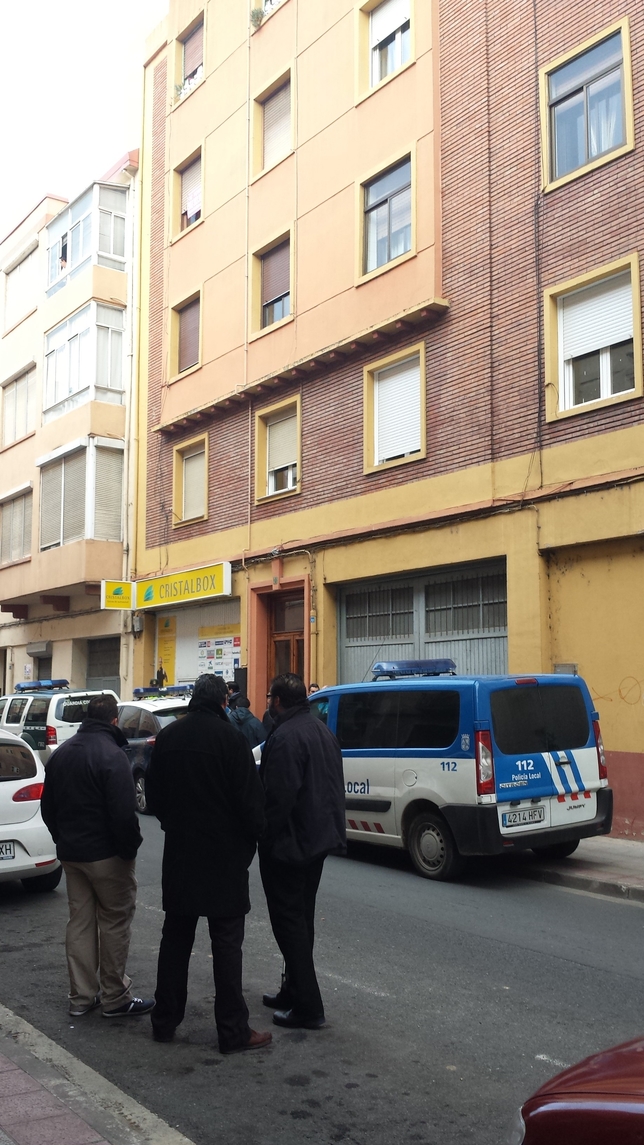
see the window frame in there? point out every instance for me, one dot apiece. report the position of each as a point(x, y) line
point(176, 193)
point(259, 100)
point(94, 255)
point(27, 260)
point(255, 287)
point(29, 376)
point(361, 275)
point(184, 86)
point(89, 445)
point(175, 327)
point(369, 381)
point(93, 391)
point(179, 453)
point(263, 418)
point(22, 495)
point(550, 183)
point(363, 86)
point(555, 410)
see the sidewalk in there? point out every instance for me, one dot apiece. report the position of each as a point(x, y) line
point(608, 865)
point(49, 1097)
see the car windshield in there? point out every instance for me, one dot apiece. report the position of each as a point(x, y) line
point(539, 718)
point(169, 714)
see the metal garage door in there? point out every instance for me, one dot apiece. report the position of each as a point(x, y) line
point(458, 612)
point(103, 664)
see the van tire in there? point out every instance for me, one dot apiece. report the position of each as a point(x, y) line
point(139, 792)
point(41, 883)
point(432, 848)
point(556, 850)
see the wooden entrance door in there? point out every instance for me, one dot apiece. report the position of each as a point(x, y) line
point(286, 639)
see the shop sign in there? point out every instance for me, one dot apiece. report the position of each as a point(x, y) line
point(117, 594)
point(182, 587)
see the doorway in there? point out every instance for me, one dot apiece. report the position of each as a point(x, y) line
point(286, 637)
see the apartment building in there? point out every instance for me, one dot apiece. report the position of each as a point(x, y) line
point(66, 358)
point(391, 360)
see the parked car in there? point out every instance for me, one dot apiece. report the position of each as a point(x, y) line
point(46, 713)
point(27, 850)
point(598, 1101)
point(140, 721)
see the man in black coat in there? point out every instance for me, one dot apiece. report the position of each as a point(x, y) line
point(243, 719)
point(301, 771)
point(89, 806)
point(203, 787)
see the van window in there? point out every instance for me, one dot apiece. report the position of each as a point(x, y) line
point(414, 718)
point(16, 762)
point(129, 721)
point(37, 713)
point(15, 710)
point(320, 709)
point(169, 715)
point(550, 718)
point(3, 704)
point(72, 710)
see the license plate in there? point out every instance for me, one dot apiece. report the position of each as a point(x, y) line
point(525, 815)
point(7, 851)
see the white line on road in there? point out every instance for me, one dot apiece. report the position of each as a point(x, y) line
point(551, 1061)
point(356, 985)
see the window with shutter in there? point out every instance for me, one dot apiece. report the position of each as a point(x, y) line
point(15, 529)
point(108, 511)
point(281, 452)
point(18, 408)
point(390, 36)
point(387, 223)
point(73, 497)
point(193, 53)
point(276, 276)
point(397, 413)
point(189, 336)
point(191, 194)
point(194, 476)
point(276, 117)
point(596, 357)
point(51, 504)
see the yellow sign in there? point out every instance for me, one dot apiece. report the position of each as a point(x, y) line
point(117, 594)
point(167, 645)
point(181, 587)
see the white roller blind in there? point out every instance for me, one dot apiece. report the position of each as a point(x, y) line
point(109, 494)
point(397, 410)
point(388, 18)
point(277, 125)
point(191, 189)
point(282, 443)
point(15, 534)
point(74, 497)
point(51, 489)
point(598, 316)
point(194, 485)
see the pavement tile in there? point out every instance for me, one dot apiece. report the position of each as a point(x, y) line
point(17, 1081)
point(20, 1106)
point(67, 1129)
point(6, 1064)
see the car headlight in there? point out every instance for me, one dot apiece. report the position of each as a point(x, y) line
point(517, 1132)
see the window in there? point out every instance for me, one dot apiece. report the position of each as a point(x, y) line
point(108, 508)
point(70, 237)
point(191, 194)
point(91, 230)
point(109, 348)
point(20, 289)
point(19, 408)
point(394, 400)
point(387, 221)
point(191, 62)
point(16, 762)
point(587, 106)
point(15, 529)
point(277, 449)
point(111, 226)
point(390, 36)
point(460, 605)
point(414, 718)
point(276, 275)
point(84, 359)
point(188, 341)
point(190, 476)
point(276, 125)
point(15, 710)
point(595, 334)
point(81, 496)
point(380, 612)
point(540, 719)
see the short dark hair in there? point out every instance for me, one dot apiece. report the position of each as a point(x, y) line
point(243, 702)
point(231, 686)
point(289, 689)
point(209, 690)
point(103, 708)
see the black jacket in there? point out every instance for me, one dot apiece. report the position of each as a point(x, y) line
point(202, 785)
point(301, 771)
point(88, 802)
point(250, 727)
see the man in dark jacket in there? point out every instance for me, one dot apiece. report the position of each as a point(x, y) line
point(202, 785)
point(89, 806)
point(301, 771)
point(243, 719)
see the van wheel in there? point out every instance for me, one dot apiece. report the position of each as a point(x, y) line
point(47, 882)
point(432, 848)
point(556, 850)
point(139, 791)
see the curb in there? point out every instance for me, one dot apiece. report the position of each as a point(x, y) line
point(589, 883)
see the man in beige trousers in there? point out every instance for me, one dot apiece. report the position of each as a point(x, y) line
point(88, 803)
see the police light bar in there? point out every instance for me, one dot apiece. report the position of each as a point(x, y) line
point(393, 669)
point(159, 693)
point(41, 685)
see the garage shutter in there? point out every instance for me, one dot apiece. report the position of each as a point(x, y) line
point(103, 664)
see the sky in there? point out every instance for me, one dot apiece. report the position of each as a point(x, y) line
point(71, 102)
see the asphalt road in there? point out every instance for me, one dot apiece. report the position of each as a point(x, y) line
point(447, 1005)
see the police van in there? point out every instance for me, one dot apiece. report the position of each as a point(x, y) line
point(448, 766)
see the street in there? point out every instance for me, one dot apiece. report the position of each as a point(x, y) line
point(447, 1004)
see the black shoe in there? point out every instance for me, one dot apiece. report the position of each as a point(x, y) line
point(294, 1021)
point(131, 1009)
point(279, 1001)
point(257, 1041)
point(161, 1035)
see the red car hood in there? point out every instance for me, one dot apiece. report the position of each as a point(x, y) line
point(619, 1070)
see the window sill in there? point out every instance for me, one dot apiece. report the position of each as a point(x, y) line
point(19, 322)
point(587, 407)
point(579, 171)
point(269, 330)
point(395, 462)
point(185, 374)
point(383, 83)
point(189, 521)
point(32, 433)
point(267, 16)
point(12, 564)
point(188, 230)
point(268, 497)
point(360, 281)
point(265, 170)
point(181, 99)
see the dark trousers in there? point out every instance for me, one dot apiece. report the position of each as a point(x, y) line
point(290, 894)
point(177, 939)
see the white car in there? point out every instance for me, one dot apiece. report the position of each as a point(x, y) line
point(46, 713)
point(27, 850)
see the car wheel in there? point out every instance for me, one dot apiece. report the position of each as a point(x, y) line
point(432, 848)
point(139, 791)
point(556, 850)
point(47, 882)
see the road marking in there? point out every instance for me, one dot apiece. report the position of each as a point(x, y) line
point(86, 1091)
point(551, 1061)
point(356, 985)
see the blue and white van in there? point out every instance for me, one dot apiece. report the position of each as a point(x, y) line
point(447, 766)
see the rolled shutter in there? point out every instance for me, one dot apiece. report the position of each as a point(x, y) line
point(388, 18)
point(597, 316)
point(193, 485)
point(5, 537)
point(277, 125)
point(189, 335)
point(108, 513)
point(276, 272)
point(74, 497)
point(193, 52)
point(51, 490)
point(17, 527)
point(9, 402)
point(397, 410)
point(282, 443)
point(26, 533)
point(191, 189)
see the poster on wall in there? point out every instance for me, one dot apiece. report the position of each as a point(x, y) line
point(218, 654)
point(166, 648)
